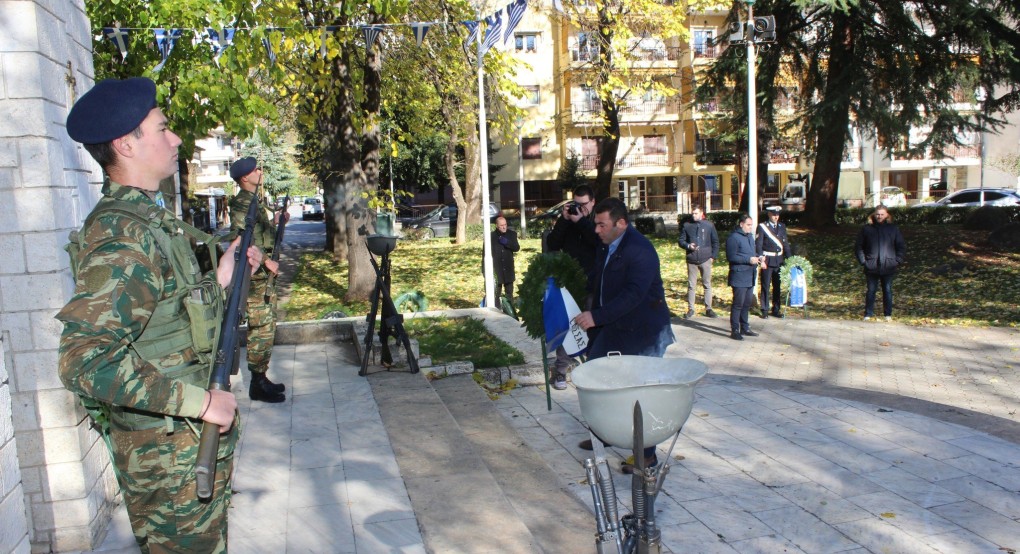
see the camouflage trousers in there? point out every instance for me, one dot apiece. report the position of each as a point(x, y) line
point(261, 325)
point(157, 478)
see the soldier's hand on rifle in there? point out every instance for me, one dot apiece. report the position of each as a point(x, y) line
point(284, 216)
point(219, 409)
point(272, 265)
point(226, 267)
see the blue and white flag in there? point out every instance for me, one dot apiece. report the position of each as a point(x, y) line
point(514, 15)
point(165, 41)
point(372, 33)
point(220, 42)
point(420, 30)
point(119, 37)
point(493, 30)
point(472, 27)
point(269, 50)
point(558, 312)
point(798, 287)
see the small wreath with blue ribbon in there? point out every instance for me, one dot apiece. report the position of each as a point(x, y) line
point(792, 262)
point(411, 301)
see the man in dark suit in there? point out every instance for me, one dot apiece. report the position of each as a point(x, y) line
point(772, 243)
point(629, 312)
point(744, 264)
point(504, 244)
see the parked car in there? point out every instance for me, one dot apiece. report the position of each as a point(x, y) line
point(890, 197)
point(312, 209)
point(550, 214)
point(972, 197)
point(442, 221)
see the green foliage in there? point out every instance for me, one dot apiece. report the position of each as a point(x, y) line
point(989, 218)
point(567, 273)
point(792, 262)
point(461, 339)
point(571, 173)
point(279, 171)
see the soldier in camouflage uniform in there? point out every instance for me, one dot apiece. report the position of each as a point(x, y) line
point(141, 326)
point(261, 300)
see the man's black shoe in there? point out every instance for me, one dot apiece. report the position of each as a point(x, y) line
point(749, 333)
point(736, 336)
point(711, 313)
point(764, 314)
point(628, 468)
point(259, 391)
point(689, 314)
point(777, 313)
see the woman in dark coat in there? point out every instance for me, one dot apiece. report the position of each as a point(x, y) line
point(504, 244)
point(880, 249)
point(744, 262)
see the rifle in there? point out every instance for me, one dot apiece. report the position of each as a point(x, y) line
point(227, 353)
point(277, 245)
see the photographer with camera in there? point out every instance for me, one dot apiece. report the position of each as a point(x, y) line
point(574, 233)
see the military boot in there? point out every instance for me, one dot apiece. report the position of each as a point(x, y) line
point(275, 387)
point(259, 390)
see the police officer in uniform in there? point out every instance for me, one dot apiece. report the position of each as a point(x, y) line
point(772, 243)
point(138, 332)
point(261, 313)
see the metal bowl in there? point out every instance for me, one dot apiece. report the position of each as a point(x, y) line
point(608, 388)
point(380, 244)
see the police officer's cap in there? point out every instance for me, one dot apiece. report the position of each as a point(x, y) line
point(774, 210)
point(112, 109)
point(242, 167)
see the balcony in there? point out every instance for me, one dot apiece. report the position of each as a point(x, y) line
point(650, 111)
point(952, 153)
point(589, 162)
point(712, 157)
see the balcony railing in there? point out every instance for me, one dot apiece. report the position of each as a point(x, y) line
point(708, 157)
point(955, 152)
point(706, 50)
point(634, 111)
point(662, 53)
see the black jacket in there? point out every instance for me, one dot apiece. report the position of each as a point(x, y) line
point(503, 255)
point(578, 240)
point(880, 248)
point(701, 233)
point(764, 243)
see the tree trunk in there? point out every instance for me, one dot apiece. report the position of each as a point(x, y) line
point(450, 159)
point(821, 198)
point(185, 176)
point(472, 186)
point(610, 144)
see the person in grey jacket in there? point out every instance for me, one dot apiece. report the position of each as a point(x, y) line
point(880, 249)
point(701, 242)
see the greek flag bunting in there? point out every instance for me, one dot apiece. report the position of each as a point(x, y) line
point(372, 33)
point(420, 30)
point(220, 42)
point(119, 37)
point(493, 30)
point(514, 15)
point(472, 27)
point(165, 41)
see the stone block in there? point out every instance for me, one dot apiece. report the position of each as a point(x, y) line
point(36, 371)
point(8, 152)
point(56, 408)
point(30, 75)
point(34, 209)
point(28, 293)
point(47, 251)
point(30, 116)
point(42, 163)
point(6, 424)
point(14, 529)
point(9, 178)
point(21, 31)
point(10, 473)
point(31, 481)
point(45, 329)
point(13, 248)
point(24, 415)
point(48, 446)
point(65, 482)
point(19, 327)
point(64, 514)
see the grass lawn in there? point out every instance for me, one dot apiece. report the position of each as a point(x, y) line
point(985, 291)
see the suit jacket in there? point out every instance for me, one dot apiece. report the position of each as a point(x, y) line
point(503, 255)
point(764, 243)
point(739, 251)
point(629, 304)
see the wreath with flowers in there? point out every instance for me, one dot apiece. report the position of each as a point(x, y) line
point(792, 262)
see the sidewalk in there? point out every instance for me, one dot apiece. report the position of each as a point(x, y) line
point(817, 436)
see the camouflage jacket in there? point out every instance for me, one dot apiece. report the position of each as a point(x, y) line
point(121, 278)
point(265, 231)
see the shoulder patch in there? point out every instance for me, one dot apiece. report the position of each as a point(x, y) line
point(94, 278)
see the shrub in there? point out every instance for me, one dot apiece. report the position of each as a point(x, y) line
point(986, 218)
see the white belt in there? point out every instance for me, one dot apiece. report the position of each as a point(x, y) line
point(772, 253)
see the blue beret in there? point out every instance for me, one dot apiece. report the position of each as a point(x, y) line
point(111, 109)
point(242, 167)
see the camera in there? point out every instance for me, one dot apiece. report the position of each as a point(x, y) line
point(572, 208)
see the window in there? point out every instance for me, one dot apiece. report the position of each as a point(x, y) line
point(531, 148)
point(621, 190)
point(532, 95)
point(703, 46)
point(526, 42)
point(587, 47)
point(654, 144)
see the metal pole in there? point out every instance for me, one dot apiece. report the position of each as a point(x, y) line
point(752, 122)
point(520, 176)
point(483, 155)
point(389, 146)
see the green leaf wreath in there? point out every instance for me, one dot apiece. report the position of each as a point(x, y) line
point(792, 262)
point(531, 291)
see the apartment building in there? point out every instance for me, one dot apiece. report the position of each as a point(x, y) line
point(667, 157)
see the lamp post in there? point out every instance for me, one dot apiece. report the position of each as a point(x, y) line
point(982, 96)
point(520, 173)
point(752, 121)
point(483, 156)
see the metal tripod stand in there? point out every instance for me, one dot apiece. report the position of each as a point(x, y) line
point(392, 323)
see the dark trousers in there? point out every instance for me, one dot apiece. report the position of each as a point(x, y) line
point(869, 299)
point(770, 279)
point(742, 299)
point(509, 287)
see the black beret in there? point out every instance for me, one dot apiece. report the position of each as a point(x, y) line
point(111, 109)
point(242, 167)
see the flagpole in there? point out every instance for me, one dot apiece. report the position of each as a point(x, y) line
point(483, 155)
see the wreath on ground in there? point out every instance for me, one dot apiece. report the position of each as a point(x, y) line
point(792, 262)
